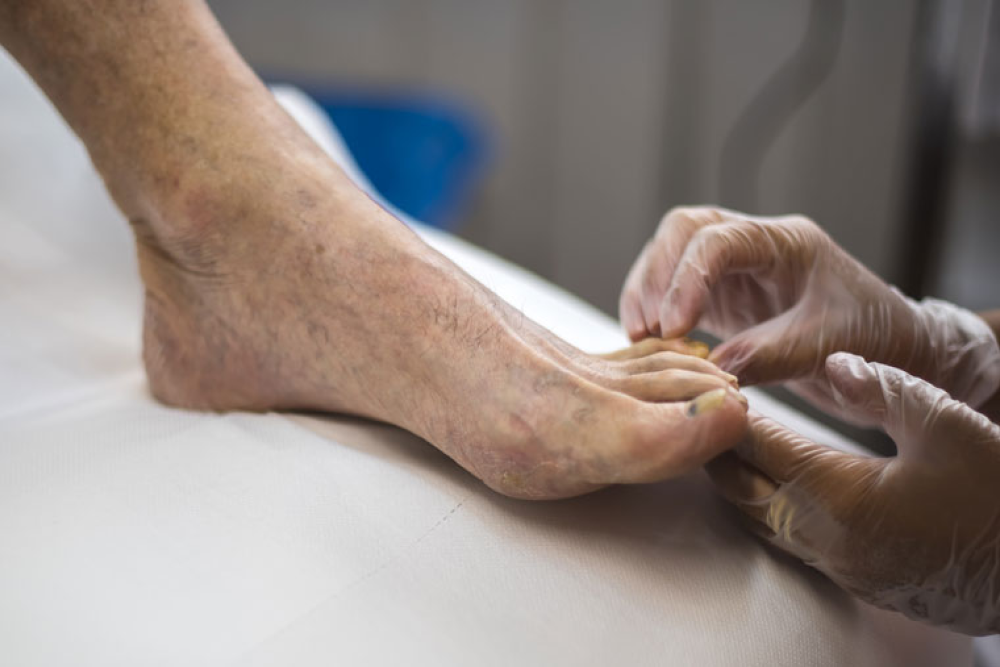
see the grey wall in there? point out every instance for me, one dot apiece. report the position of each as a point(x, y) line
point(608, 113)
point(966, 268)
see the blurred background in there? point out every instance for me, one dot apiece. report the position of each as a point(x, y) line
point(556, 133)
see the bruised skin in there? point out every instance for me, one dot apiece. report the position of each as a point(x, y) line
point(273, 283)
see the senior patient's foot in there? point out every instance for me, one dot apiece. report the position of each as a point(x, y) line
point(275, 290)
point(272, 282)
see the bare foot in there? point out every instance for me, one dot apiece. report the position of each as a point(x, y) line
point(268, 292)
point(273, 283)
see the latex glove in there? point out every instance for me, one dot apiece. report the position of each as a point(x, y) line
point(918, 533)
point(783, 296)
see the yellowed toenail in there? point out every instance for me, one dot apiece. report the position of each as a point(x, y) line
point(707, 402)
point(696, 347)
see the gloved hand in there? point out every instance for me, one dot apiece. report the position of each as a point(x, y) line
point(918, 533)
point(783, 296)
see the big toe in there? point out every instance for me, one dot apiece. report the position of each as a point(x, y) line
point(667, 440)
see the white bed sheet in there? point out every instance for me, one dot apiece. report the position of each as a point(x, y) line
point(135, 534)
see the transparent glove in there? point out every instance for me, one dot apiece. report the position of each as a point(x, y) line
point(918, 533)
point(783, 296)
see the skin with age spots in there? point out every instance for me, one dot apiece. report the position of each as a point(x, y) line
point(273, 283)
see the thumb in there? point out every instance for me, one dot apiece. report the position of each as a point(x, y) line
point(786, 484)
point(909, 409)
point(860, 388)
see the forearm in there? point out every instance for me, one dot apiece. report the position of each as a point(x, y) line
point(153, 87)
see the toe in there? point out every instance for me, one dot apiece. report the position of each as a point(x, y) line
point(671, 439)
point(672, 385)
point(663, 361)
point(654, 344)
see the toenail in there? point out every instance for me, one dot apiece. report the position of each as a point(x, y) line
point(707, 402)
point(696, 347)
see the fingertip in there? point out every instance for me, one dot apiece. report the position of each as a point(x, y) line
point(636, 331)
point(736, 360)
point(847, 364)
point(722, 358)
point(631, 317)
point(679, 311)
point(849, 375)
point(651, 325)
point(675, 326)
point(761, 355)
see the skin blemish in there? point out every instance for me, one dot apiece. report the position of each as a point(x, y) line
point(512, 481)
point(201, 210)
point(320, 248)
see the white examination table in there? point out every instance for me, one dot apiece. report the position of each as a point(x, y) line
point(135, 534)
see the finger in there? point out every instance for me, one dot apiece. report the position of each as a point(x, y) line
point(743, 245)
point(630, 312)
point(652, 345)
point(913, 412)
point(645, 277)
point(672, 385)
point(858, 386)
point(777, 350)
point(782, 454)
point(663, 361)
point(742, 484)
point(795, 489)
point(711, 253)
point(630, 302)
point(662, 255)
